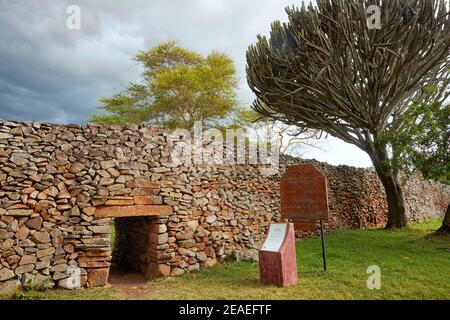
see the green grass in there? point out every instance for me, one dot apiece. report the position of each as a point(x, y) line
point(415, 264)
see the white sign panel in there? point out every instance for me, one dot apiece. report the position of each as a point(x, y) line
point(274, 240)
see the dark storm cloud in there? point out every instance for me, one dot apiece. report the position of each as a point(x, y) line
point(51, 73)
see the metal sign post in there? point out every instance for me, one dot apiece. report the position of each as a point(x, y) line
point(324, 256)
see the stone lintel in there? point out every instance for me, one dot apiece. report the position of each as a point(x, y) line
point(133, 211)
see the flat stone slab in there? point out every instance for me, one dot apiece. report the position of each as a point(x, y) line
point(133, 211)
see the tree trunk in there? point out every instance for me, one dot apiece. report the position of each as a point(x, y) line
point(446, 223)
point(392, 188)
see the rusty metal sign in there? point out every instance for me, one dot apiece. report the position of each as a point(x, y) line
point(304, 194)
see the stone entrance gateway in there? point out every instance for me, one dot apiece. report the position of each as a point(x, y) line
point(138, 229)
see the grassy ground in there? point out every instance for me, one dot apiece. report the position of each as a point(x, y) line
point(415, 264)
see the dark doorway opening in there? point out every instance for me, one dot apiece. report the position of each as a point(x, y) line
point(131, 245)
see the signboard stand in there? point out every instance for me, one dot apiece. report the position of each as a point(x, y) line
point(277, 259)
point(304, 198)
point(324, 256)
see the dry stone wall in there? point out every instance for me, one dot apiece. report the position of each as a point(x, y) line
point(60, 186)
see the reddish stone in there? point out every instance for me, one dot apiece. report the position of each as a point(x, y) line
point(156, 270)
point(143, 183)
point(6, 219)
point(35, 223)
point(143, 192)
point(94, 264)
point(164, 270)
point(147, 200)
point(133, 211)
point(120, 202)
point(98, 277)
point(280, 267)
point(304, 196)
point(45, 215)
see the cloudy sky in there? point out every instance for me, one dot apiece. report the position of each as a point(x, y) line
point(51, 73)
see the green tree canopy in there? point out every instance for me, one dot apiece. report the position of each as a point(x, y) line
point(178, 87)
point(423, 143)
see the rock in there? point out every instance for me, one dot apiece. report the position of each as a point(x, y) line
point(60, 275)
point(158, 228)
point(45, 263)
point(213, 208)
point(98, 277)
point(186, 243)
point(107, 164)
point(7, 244)
point(76, 167)
point(35, 223)
point(144, 183)
point(246, 254)
point(64, 195)
point(24, 269)
point(27, 259)
point(210, 262)
point(148, 200)
point(6, 274)
point(216, 235)
point(60, 268)
point(41, 282)
point(164, 270)
point(26, 280)
point(51, 191)
point(144, 192)
point(69, 248)
point(177, 272)
point(9, 287)
point(12, 260)
point(194, 267)
point(41, 237)
point(18, 159)
point(100, 229)
point(211, 219)
point(5, 136)
point(42, 205)
point(106, 181)
point(201, 256)
point(201, 232)
point(120, 202)
point(159, 238)
point(96, 242)
point(89, 211)
point(45, 252)
point(5, 234)
point(19, 213)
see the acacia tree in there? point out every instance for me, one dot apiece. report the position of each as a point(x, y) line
point(178, 87)
point(326, 69)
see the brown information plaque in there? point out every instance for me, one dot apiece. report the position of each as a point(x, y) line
point(304, 194)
